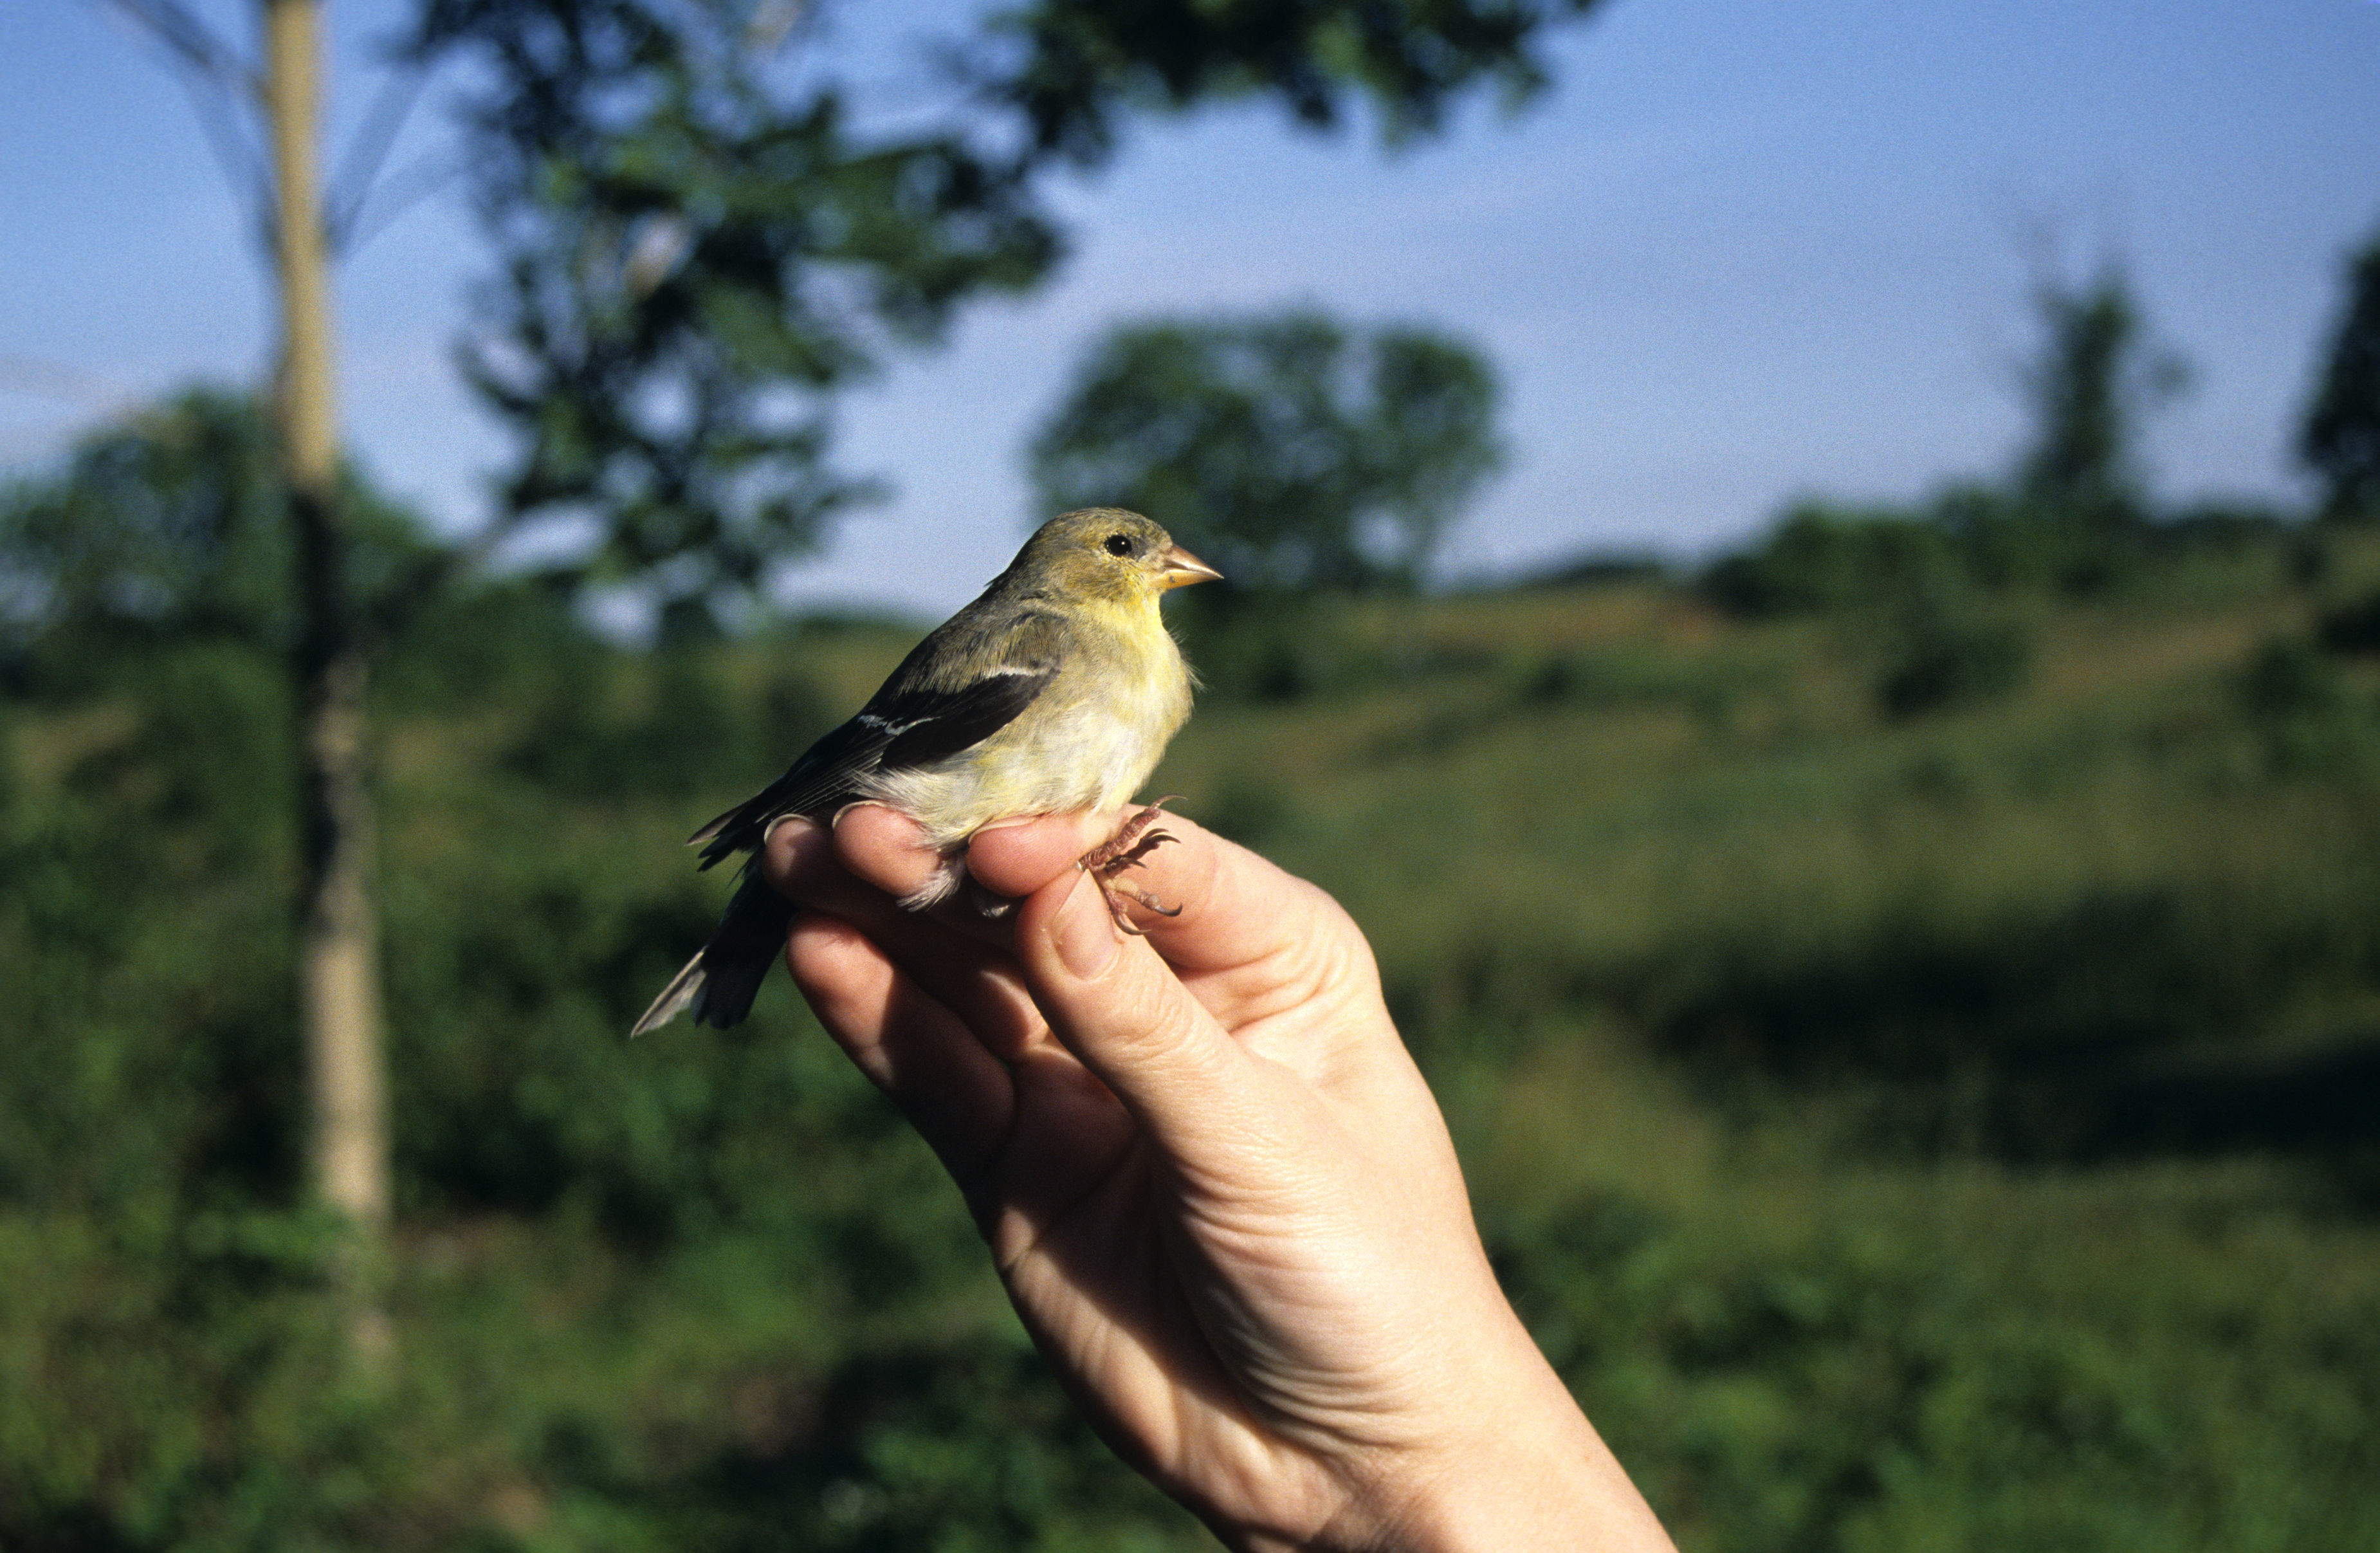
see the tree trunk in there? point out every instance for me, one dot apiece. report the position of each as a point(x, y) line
point(338, 954)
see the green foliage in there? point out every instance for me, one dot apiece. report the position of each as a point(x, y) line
point(704, 1290)
point(1616, 677)
point(693, 263)
point(1947, 1132)
point(170, 526)
point(166, 524)
point(1971, 544)
point(1278, 651)
point(2340, 439)
point(1811, 1368)
point(668, 727)
point(2353, 627)
point(1289, 454)
point(1942, 660)
point(1819, 559)
point(698, 249)
point(1072, 68)
point(2315, 719)
point(2004, 922)
point(1276, 647)
point(2290, 678)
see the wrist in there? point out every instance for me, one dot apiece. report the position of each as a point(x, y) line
point(1527, 1481)
point(1520, 1468)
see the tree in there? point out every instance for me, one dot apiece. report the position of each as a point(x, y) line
point(1300, 456)
point(2095, 379)
point(691, 266)
point(329, 655)
point(696, 256)
point(2340, 439)
point(338, 959)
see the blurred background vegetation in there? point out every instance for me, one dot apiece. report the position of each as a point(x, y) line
point(1907, 991)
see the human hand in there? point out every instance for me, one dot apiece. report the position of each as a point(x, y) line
point(1217, 1189)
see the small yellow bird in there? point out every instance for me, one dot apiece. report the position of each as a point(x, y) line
point(1054, 691)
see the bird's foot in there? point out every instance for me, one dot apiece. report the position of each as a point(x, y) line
point(1133, 840)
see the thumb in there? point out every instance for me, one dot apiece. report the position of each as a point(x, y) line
point(1120, 1009)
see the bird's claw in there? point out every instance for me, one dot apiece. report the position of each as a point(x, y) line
point(1133, 840)
point(1128, 846)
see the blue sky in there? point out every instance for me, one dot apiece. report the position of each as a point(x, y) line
point(1742, 252)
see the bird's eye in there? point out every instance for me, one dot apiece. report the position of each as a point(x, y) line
point(1120, 544)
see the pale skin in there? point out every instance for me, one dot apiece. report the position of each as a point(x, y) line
point(1217, 1189)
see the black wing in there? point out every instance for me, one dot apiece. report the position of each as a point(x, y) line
point(896, 729)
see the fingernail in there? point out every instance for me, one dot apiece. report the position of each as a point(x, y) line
point(1085, 934)
point(790, 846)
point(794, 828)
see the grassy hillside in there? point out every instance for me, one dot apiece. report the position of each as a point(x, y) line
point(1909, 1121)
point(1947, 1131)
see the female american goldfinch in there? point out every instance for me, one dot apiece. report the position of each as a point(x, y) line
point(1056, 690)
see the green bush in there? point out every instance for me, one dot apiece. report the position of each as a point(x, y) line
point(2313, 721)
point(1941, 664)
point(1820, 559)
point(2353, 627)
point(1981, 1374)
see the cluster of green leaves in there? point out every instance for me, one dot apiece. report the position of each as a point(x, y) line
point(692, 263)
point(1070, 68)
point(700, 244)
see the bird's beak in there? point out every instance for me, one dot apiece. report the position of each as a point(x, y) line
point(1181, 568)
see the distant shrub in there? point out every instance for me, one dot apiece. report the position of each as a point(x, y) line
point(2232, 528)
point(1942, 663)
point(499, 645)
point(2018, 544)
point(2353, 627)
point(1933, 1381)
point(1821, 558)
point(1601, 569)
point(2287, 677)
point(1251, 808)
point(2313, 722)
point(1914, 1000)
point(1707, 684)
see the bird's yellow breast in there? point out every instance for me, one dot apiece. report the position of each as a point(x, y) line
point(1088, 740)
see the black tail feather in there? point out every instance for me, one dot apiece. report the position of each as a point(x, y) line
point(721, 981)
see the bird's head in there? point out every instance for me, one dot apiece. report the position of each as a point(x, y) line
point(1108, 555)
